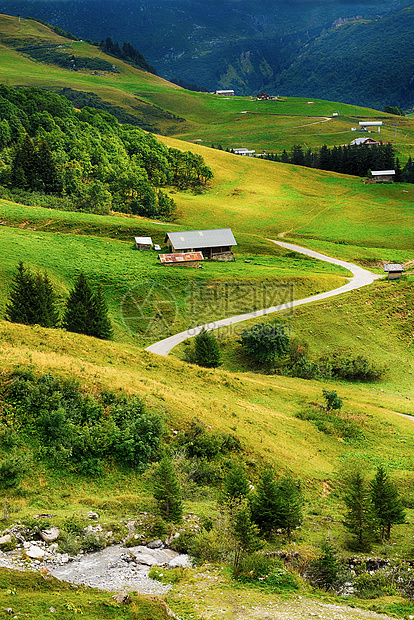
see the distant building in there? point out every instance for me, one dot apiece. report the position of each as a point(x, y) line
point(365, 141)
point(215, 244)
point(395, 270)
point(143, 243)
point(383, 176)
point(264, 97)
point(244, 152)
point(227, 93)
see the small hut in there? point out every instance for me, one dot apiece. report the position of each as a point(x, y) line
point(143, 243)
point(190, 259)
point(395, 270)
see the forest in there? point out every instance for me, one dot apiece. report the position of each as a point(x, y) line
point(86, 159)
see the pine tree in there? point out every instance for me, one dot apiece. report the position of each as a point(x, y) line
point(19, 308)
point(207, 349)
point(102, 327)
point(86, 312)
point(266, 503)
point(291, 504)
point(358, 519)
point(167, 491)
point(244, 532)
point(386, 504)
point(236, 484)
point(32, 300)
point(47, 170)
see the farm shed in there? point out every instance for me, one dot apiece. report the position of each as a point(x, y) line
point(244, 152)
point(215, 244)
point(190, 259)
point(228, 93)
point(383, 176)
point(143, 243)
point(395, 270)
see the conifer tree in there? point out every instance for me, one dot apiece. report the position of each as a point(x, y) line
point(358, 519)
point(291, 503)
point(102, 327)
point(86, 312)
point(207, 349)
point(266, 503)
point(386, 503)
point(32, 300)
point(236, 484)
point(167, 491)
point(244, 531)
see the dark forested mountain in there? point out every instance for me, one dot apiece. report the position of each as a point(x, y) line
point(359, 51)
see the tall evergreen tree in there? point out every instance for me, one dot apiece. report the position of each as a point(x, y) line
point(291, 504)
point(245, 532)
point(32, 299)
point(358, 519)
point(207, 349)
point(102, 327)
point(386, 503)
point(236, 484)
point(167, 491)
point(266, 503)
point(86, 312)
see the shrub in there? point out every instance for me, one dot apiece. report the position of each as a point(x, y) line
point(212, 546)
point(256, 566)
point(68, 543)
point(206, 349)
point(10, 545)
point(75, 524)
point(376, 584)
point(326, 571)
point(265, 342)
point(12, 470)
point(94, 541)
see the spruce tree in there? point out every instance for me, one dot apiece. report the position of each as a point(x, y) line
point(291, 504)
point(207, 349)
point(102, 327)
point(386, 503)
point(32, 300)
point(266, 503)
point(48, 315)
point(86, 312)
point(236, 484)
point(167, 491)
point(358, 519)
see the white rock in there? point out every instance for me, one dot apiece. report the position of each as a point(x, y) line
point(50, 535)
point(35, 553)
point(5, 539)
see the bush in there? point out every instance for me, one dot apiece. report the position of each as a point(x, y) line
point(12, 470)
point(256, 566)
point(94, 541)
point(207, 349)
point(9, 546)
point(212, 546)
point(68, 543)
point(373, 585)
point(264, 343)
point(75, 524)
point(326, 571)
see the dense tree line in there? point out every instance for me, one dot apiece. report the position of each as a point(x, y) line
point(127, 53)
point(88, 157)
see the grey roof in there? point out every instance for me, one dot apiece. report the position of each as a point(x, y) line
point(393, 267)
point(143, 240)
point(382, 172)
point(186, 239)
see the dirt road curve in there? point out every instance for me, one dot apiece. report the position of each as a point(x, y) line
point(361, 277)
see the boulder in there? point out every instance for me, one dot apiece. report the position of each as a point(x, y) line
point(50, 535)
point(122, 597)
point(35, 553)
point(92, 515)
point(155, 544)
point(5, 539)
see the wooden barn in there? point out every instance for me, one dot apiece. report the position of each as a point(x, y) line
point(395, 270)
point(214, 244)
point(383, 176)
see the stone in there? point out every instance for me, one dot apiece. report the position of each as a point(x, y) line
point(50, 535)
point(35, 553)
point(5, 539)
point(122, 598)
point(180, 560)
point(155, 544)
point(92, 515)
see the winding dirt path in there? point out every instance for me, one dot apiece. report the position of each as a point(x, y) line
point(361, 277)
